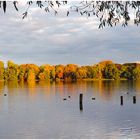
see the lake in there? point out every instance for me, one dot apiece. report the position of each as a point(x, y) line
point(37, 110)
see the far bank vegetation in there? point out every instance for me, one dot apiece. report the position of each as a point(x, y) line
point(105, 70)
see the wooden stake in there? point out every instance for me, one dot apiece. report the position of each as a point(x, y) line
point(81, 101)
point(121, 99)
point(134, 99)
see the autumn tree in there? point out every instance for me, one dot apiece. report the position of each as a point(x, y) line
point(12, 71)
point(89, 71)
point(127, 71)
point(35, 69)
point(136, 73)
point(1, 70)
point(81, 72)
point(111, 72)
point(70, 72)
point(22, 72)
point(101, 65)
point(52, 73)
point(31, 75)
point(45, 72)
point(59, 72)
point(95, 72)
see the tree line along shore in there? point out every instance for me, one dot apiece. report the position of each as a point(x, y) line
point(105, 70)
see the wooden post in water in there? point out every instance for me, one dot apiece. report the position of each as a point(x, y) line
point(134, 99)
point(81, 101)
point(121, 98)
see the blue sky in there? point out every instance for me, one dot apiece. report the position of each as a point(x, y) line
point(44, 38)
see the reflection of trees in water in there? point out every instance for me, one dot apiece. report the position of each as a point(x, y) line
point(12, 86)
point(129, 86)
point(1, 86)
point(1, 92)
point(105, 89)
point(59, 88)
point(137, 86)
point(82, 86)
point(31, 88)
point(109, 89)
point(22, 84)
point(47, 88)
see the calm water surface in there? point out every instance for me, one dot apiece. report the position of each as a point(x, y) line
point(37, 110)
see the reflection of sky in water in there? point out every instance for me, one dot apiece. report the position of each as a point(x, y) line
point(37, 110)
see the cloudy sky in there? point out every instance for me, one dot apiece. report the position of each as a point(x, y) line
point(45, 38)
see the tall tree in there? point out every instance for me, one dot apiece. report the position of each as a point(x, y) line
point(136, 73)
point(111, 72)
point(1, 70)
point(12, 71)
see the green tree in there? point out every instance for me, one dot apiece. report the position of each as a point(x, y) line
point(95, 72)
point(136, 73)
point(127, 72)
point(111, 72)
point(81, 72)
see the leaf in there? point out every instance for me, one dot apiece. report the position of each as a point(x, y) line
point(29, 2)
point(24, 15)
point(56, 13)
point(4, 6)
point(68, 13)
point(47, 9)
point(15, 2)
point(58, 3)
point(81, 13)
point(39, 3)
point(100, 26)
point(64, 2)
point(104, 22)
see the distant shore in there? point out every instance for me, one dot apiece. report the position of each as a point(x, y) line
point(105, 70)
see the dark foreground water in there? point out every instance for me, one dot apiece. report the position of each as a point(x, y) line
point(39, 111)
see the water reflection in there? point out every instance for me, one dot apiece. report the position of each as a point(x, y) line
point(1, 86)
point(34, 109)
point(105, 90)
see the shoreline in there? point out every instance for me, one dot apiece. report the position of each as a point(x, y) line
point(62, 80)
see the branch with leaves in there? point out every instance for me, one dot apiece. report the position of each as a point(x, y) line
point(110, 13)
point(46, 5)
